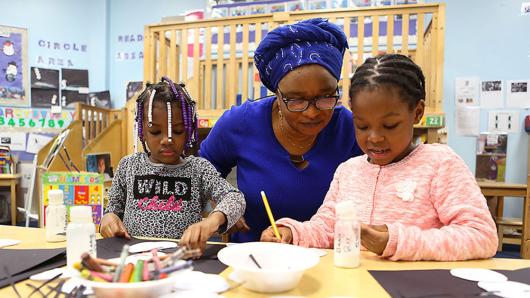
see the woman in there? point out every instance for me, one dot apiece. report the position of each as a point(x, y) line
point(287, 145)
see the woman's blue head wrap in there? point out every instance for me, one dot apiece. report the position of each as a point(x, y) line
point(314, 41)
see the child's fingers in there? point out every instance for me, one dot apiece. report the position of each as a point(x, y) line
point(184, 240)
point(123, 231)
point(268, 236)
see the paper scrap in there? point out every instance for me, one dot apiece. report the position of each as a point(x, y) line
point(8, 242)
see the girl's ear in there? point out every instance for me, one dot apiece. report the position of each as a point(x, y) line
point(418, 111)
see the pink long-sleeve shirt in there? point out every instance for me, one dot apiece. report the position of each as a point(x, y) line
point(429, 200)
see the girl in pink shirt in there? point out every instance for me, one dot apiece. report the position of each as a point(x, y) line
point(416, 202)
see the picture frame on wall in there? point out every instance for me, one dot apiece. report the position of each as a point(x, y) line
point(14, 74)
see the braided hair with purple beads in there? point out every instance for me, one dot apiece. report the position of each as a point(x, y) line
point(169, 92)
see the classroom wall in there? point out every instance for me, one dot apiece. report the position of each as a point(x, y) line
point(127, 19)
point(66, 22)
point(488, 39)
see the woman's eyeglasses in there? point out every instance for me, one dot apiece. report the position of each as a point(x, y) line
point(322, 103)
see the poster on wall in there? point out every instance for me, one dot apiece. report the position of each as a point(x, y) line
point(134, 88)
point(16, 141)
point(100, 163)
point(491, 157)
point(34, 119)
point(99, 99)
point(491, 94)
point(518, 94)
point(79, 189)
point(14, 81)
point(44, 87)
point(467, 91)
point(74, 78)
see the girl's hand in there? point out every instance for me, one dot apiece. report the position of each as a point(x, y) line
point(239, 226)
point(374, 237)
point(285, 233)
point(196, 235)
point(112, 226)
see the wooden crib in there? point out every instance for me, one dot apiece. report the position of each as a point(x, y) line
point(219, 72)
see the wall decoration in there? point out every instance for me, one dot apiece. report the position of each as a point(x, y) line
point(78, 188)
point(134, 88)
point(99, 99)
point(74, 78)
point(34, 118)
point(491, 157)
point(44, 87)
point(14, 81)
point(100, 163)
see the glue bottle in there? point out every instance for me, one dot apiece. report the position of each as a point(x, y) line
point(55, 216)
point(80, 235)
point(347, 248)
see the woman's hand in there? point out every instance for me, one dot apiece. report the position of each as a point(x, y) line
point(196, 235)
point(112, 226)
point(374, 237)
point(239, 226)
point(285, 233)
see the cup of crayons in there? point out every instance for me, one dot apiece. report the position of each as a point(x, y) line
point(149, 276)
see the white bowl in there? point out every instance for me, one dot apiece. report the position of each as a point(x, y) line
point(152, 288)
point(282, 265)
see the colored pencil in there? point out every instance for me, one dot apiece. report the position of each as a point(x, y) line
point(269, 213)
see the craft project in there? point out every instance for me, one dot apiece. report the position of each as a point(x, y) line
point(14, 81)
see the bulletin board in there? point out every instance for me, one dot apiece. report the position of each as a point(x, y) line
point(79, 189)
point(14, 80)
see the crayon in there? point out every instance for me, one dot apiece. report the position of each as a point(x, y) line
point(156, 261)
point(137, 274)
point(78, 266)
point(181, 266)
point(86, 274)
point(90, 263)
point(145, 273)
point(126, 273)
point(123, 257)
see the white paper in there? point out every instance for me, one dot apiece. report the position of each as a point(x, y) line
point(478, 274)
point(8, 242)
point(512, 289)
point(491, 94)
point(467, 121)
point(147, 246)
point(15, 140)
point(503, 121)
point(518, 94)
point(467, 91)
point(36, 142)
point(46, 275)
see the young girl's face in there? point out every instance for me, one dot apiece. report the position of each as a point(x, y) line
point(384, 124)
point(156, 138)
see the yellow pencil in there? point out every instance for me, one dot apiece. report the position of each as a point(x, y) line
point(269, 213)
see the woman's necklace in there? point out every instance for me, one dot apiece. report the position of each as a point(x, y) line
point(289, 138)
